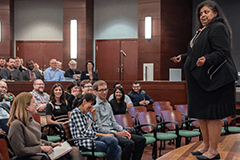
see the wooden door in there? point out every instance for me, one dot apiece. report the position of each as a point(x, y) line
point(130, 48)
point(109, 59)
point(40, 52)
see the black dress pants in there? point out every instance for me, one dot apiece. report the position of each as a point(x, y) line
point(134, 145)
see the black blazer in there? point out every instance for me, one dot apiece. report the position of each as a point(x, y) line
point(26, 77)
point(85, 75)
point(219, 68)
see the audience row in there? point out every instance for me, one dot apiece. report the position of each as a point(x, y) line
point(84, 105)
point(15, 71)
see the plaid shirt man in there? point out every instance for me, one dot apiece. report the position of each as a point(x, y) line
point(83, 126)
point(40, 99)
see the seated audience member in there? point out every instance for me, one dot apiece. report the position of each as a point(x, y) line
point(5, 97)
point(30, 74)
point(9, 72)
point(139, 97)
point(24, 132)
point(41, 98)
point(130, 143)
point(72, 72)
point(18, 65)
point(83, 124)
point(85, 87)
point(57, 108)
point(53, 73)
point(2, 62)
point(4, 116)
point(59, 66)
point(118, 104)
point(72, 93)
point(21, 60)
point(89, 73)
point(127, 99)
point(36, 68)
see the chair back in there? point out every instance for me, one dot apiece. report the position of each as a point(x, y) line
point(161, 106)
point(229, 119)
point(162, 103)
point(183, 108)
point(147, 118)
point(133, 111)
point(36, 117)
point(67, 130)
point(125, 120)
point(4, 155)
point(172, 116)
point(195, 123)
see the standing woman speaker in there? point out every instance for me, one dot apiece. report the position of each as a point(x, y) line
point(210, 75)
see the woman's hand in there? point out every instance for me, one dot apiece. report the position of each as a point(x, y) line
point(75, 93)
point(2, 132)
point(56, 144)
point(47, 149)
point(93, 111)
point(201, 61)
point(176, 59)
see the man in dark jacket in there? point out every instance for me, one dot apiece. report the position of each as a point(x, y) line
point(139, 97)
point(30, 74)
point(73, 72)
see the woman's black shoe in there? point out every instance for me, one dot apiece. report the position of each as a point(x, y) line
point(196, 153)
point(206, 158)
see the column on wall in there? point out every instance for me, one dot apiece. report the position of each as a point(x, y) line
point(82, 11)
point(172, 30)
point(7, 23)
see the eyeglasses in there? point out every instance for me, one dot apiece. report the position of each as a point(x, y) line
point(136, 86)
point(89, 86)
point(39, 84)
point(4, 87)
point(103, 90)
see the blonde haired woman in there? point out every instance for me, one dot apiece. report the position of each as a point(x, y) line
point(24, 132)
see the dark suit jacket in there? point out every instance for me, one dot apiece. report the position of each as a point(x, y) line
point(85, 75)
point(26, 76)
point(219, 68)
point(70, 73)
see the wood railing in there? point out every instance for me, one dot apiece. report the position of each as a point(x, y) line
point(175, 92)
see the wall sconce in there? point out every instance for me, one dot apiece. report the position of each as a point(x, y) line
point(73, 39)
point(148, 27)
point(0, 31)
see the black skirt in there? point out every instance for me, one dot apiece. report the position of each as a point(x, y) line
point(209, 105)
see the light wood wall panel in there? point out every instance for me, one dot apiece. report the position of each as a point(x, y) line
point(7, 20)
point(82, 11)
point(171, 33)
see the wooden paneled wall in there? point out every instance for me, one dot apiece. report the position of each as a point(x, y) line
point(175, 92)
point(7, 20)
point(82, 11)
point(172, 31)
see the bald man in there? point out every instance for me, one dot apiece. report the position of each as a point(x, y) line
point(53, 73)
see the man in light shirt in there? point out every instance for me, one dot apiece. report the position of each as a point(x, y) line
point(53, 73)
point(132, 145)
